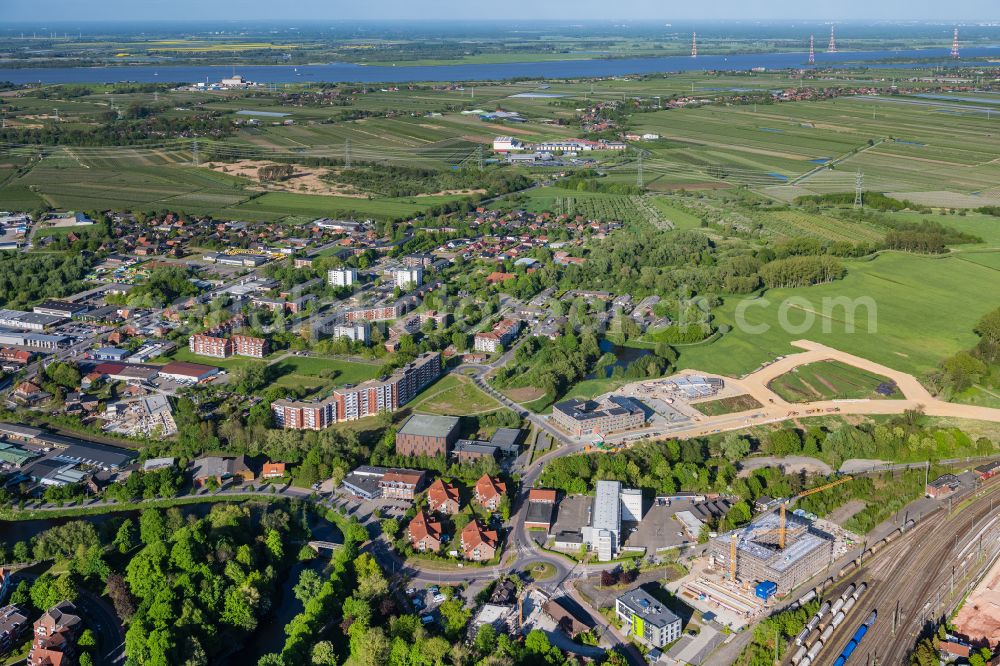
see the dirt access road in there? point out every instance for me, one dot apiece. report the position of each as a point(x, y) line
point(777, 409)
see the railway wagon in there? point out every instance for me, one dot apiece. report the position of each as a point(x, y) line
point(856, 639)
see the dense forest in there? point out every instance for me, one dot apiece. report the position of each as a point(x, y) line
point(400, 181)
point(138, 125)
point(26, 277)
point(202, 585)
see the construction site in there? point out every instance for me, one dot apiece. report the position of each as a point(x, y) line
point(765, 550)
point(769, 557)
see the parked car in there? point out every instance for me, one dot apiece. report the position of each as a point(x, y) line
point(439, 598)
point(426, 619)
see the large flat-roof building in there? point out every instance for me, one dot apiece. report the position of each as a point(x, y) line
point(645, 617)
point(581, 418)
point(427, 435)
point(604, 532)
point(29, 321)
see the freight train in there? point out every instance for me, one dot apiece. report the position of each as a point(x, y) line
point(856, 639)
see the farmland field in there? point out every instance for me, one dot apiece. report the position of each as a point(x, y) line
point(592, 205)
point(917, 147)
point(829, 380)
point(130, 182)
point(904, 289)
point(730, 405)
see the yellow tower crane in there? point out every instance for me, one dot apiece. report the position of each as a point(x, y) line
point(781, 522)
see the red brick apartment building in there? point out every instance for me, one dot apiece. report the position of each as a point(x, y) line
point(424, 533)
point(210, 345)
point(348, 403)
point(501, 335)
point(402, 484)
point(56, 632)
point(246, 345)
point(214, 342)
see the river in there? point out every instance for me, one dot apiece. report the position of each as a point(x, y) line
point(559, 69)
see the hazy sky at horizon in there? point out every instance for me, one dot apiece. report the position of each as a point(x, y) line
point(622, 10)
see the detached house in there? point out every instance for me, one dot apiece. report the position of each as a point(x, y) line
point(443, 498)
point(489, 492)
point(424, 533)
point(220, 469)
point(478, 544)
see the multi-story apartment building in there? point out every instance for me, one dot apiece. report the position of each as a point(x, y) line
point(214, 342)
point(247, 345)
point(376, 312)
point(408, 277)
point(56, 632)
point(501, 335)
point(210, 345)
point(424, 533)
point(371, 482)
point(356, 332)
point(218, 347)
point(13, 622)
point(402, 484)
point(342, 277)
point(366, 399)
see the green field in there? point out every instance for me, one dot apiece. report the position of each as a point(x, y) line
point(454, 395)
point(829, 380)
point(938, 293)
point(330, 369)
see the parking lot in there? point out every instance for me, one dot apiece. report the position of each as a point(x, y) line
point(658, 529)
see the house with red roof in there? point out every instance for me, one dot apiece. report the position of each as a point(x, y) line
point(478, 544)
point(443, 498)
point(489, 492)
point(424, 534)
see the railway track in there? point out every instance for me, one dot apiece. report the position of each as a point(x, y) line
point(916, 581)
